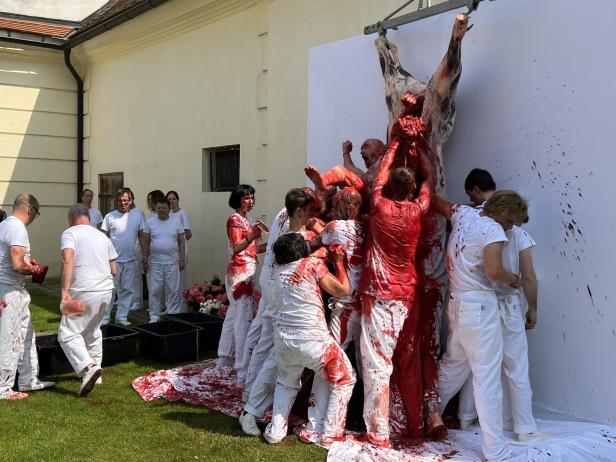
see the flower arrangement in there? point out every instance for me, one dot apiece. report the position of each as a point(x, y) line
point(208, 297)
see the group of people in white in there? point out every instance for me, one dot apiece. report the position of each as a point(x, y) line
point(103, 259)
point(321, 245)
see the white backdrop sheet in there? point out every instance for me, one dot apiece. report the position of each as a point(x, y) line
point(535, 107)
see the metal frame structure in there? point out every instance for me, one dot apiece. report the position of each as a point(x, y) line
point(391, 22)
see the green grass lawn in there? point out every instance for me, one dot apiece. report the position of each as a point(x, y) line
point(114, 424)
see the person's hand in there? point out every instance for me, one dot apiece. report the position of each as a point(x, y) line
point(182, 265)
point(254, 234)
point(336, 253)
point(347, 147)
point(64, 297)
point(34, 261)
point(531, 319)
point(517, 283)
point(144, 266)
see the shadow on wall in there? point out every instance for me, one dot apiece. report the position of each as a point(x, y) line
point(38, 139)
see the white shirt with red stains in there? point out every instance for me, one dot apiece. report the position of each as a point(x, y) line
point(280, 226)
point(518, 240)
point(242, 265)
point(12, 233)
point(297, 300)
point(349, 234)
point(471, 232)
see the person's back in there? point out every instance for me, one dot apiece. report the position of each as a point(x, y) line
point(91, 272)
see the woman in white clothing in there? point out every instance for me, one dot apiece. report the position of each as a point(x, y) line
point(174, 199)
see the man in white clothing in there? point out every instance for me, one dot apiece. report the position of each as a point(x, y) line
point(475, 342)
point(163, 259)
point(88, 267)
point(124, 228)
point(96, 218)
point(17, 339)
point(137, 302)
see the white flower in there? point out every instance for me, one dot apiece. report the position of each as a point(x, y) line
point(208, 305)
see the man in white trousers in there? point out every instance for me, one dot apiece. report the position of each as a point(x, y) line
point(17, 339)
point(302, 339)
point(124, 228)
point(475, 342)
point(88, 267)
point(163, 259)
point(262, 369)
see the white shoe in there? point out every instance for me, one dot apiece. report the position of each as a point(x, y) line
point(99, 381)
point(522, 437)
point(268, 437)
point(38, 385)
point(464, 424)
point(123, 323)
point(89, 380)
point(249, 424)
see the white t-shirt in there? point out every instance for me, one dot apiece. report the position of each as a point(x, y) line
point(163, 239)
point(350, 236)
point(296, 299)
point(182, 216)
point(12, 233)
point(123, 229)
point(280, 226)
point(518, 240)
point(95, 217)
point(471, 232)
point(93, 251)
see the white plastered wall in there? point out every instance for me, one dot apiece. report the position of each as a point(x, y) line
point(535, 106)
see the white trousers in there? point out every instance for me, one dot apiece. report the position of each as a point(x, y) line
point(261, 392)
point(235, 327)
point(345, 327)
point(80, 337)
point(163, 281)
point(127, 282)
point(518, 396)
point(325, 358)
point(17, 341)
point(381, 323)
point(183, 285)
point(475, 344)
point(137, 301)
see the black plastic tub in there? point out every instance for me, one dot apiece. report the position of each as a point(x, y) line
point(211, 327)
point(51, 357)
point(169, 341)
point(119, 344)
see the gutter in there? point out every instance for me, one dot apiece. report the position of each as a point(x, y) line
point(80, 138)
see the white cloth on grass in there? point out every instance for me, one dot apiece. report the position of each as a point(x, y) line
point(80, 337)
point(12, 233)
point(92, 253)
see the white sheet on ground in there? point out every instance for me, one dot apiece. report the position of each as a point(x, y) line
point(569, 441)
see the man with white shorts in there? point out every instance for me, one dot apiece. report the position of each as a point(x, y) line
point(17, 339)
point(88, 267)
point(163, 258)
point(124, 228)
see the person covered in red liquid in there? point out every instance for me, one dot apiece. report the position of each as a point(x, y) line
point(239, 281)
point(389, 279)
point(302, 339)
point(347, 232)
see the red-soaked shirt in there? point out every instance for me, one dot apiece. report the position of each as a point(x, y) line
point(242, 265)
point(393, 234)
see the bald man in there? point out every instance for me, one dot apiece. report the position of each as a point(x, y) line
point(17, 340)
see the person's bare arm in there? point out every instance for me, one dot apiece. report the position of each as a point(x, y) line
point(68, 256)
point(113, 268)
point(19, 263)
point(441, 206)
point(382, 177)
point(529, 285)
point(315, 244)
point(493, 266)
point(145, 250)
point(347, 161)
point(337, 284)
point(182, 248)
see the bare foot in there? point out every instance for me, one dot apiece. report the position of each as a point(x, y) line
point(435, 428)
point(315, 176)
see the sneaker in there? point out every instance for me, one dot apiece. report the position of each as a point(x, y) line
point(249, 424)
point(123, 322)
point(268, 437)
point(309, 436)
point(11, 395)
point(522, 437)
point(89, 380)
point(38, 385)
point(99, 381)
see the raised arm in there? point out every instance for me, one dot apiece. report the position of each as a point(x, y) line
point(441, 206)
point(382, 177)
point(347, 161)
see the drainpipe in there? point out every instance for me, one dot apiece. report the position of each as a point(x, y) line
point(79, 80)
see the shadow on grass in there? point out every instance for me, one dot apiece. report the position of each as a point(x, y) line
point(207, 420)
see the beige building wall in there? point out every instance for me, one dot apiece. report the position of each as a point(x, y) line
point(38, 141)
point(193, 74)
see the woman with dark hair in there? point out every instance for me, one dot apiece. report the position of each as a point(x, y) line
point(176, 212)
point(243, 249)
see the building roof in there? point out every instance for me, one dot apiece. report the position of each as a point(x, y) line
point(66, 34)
